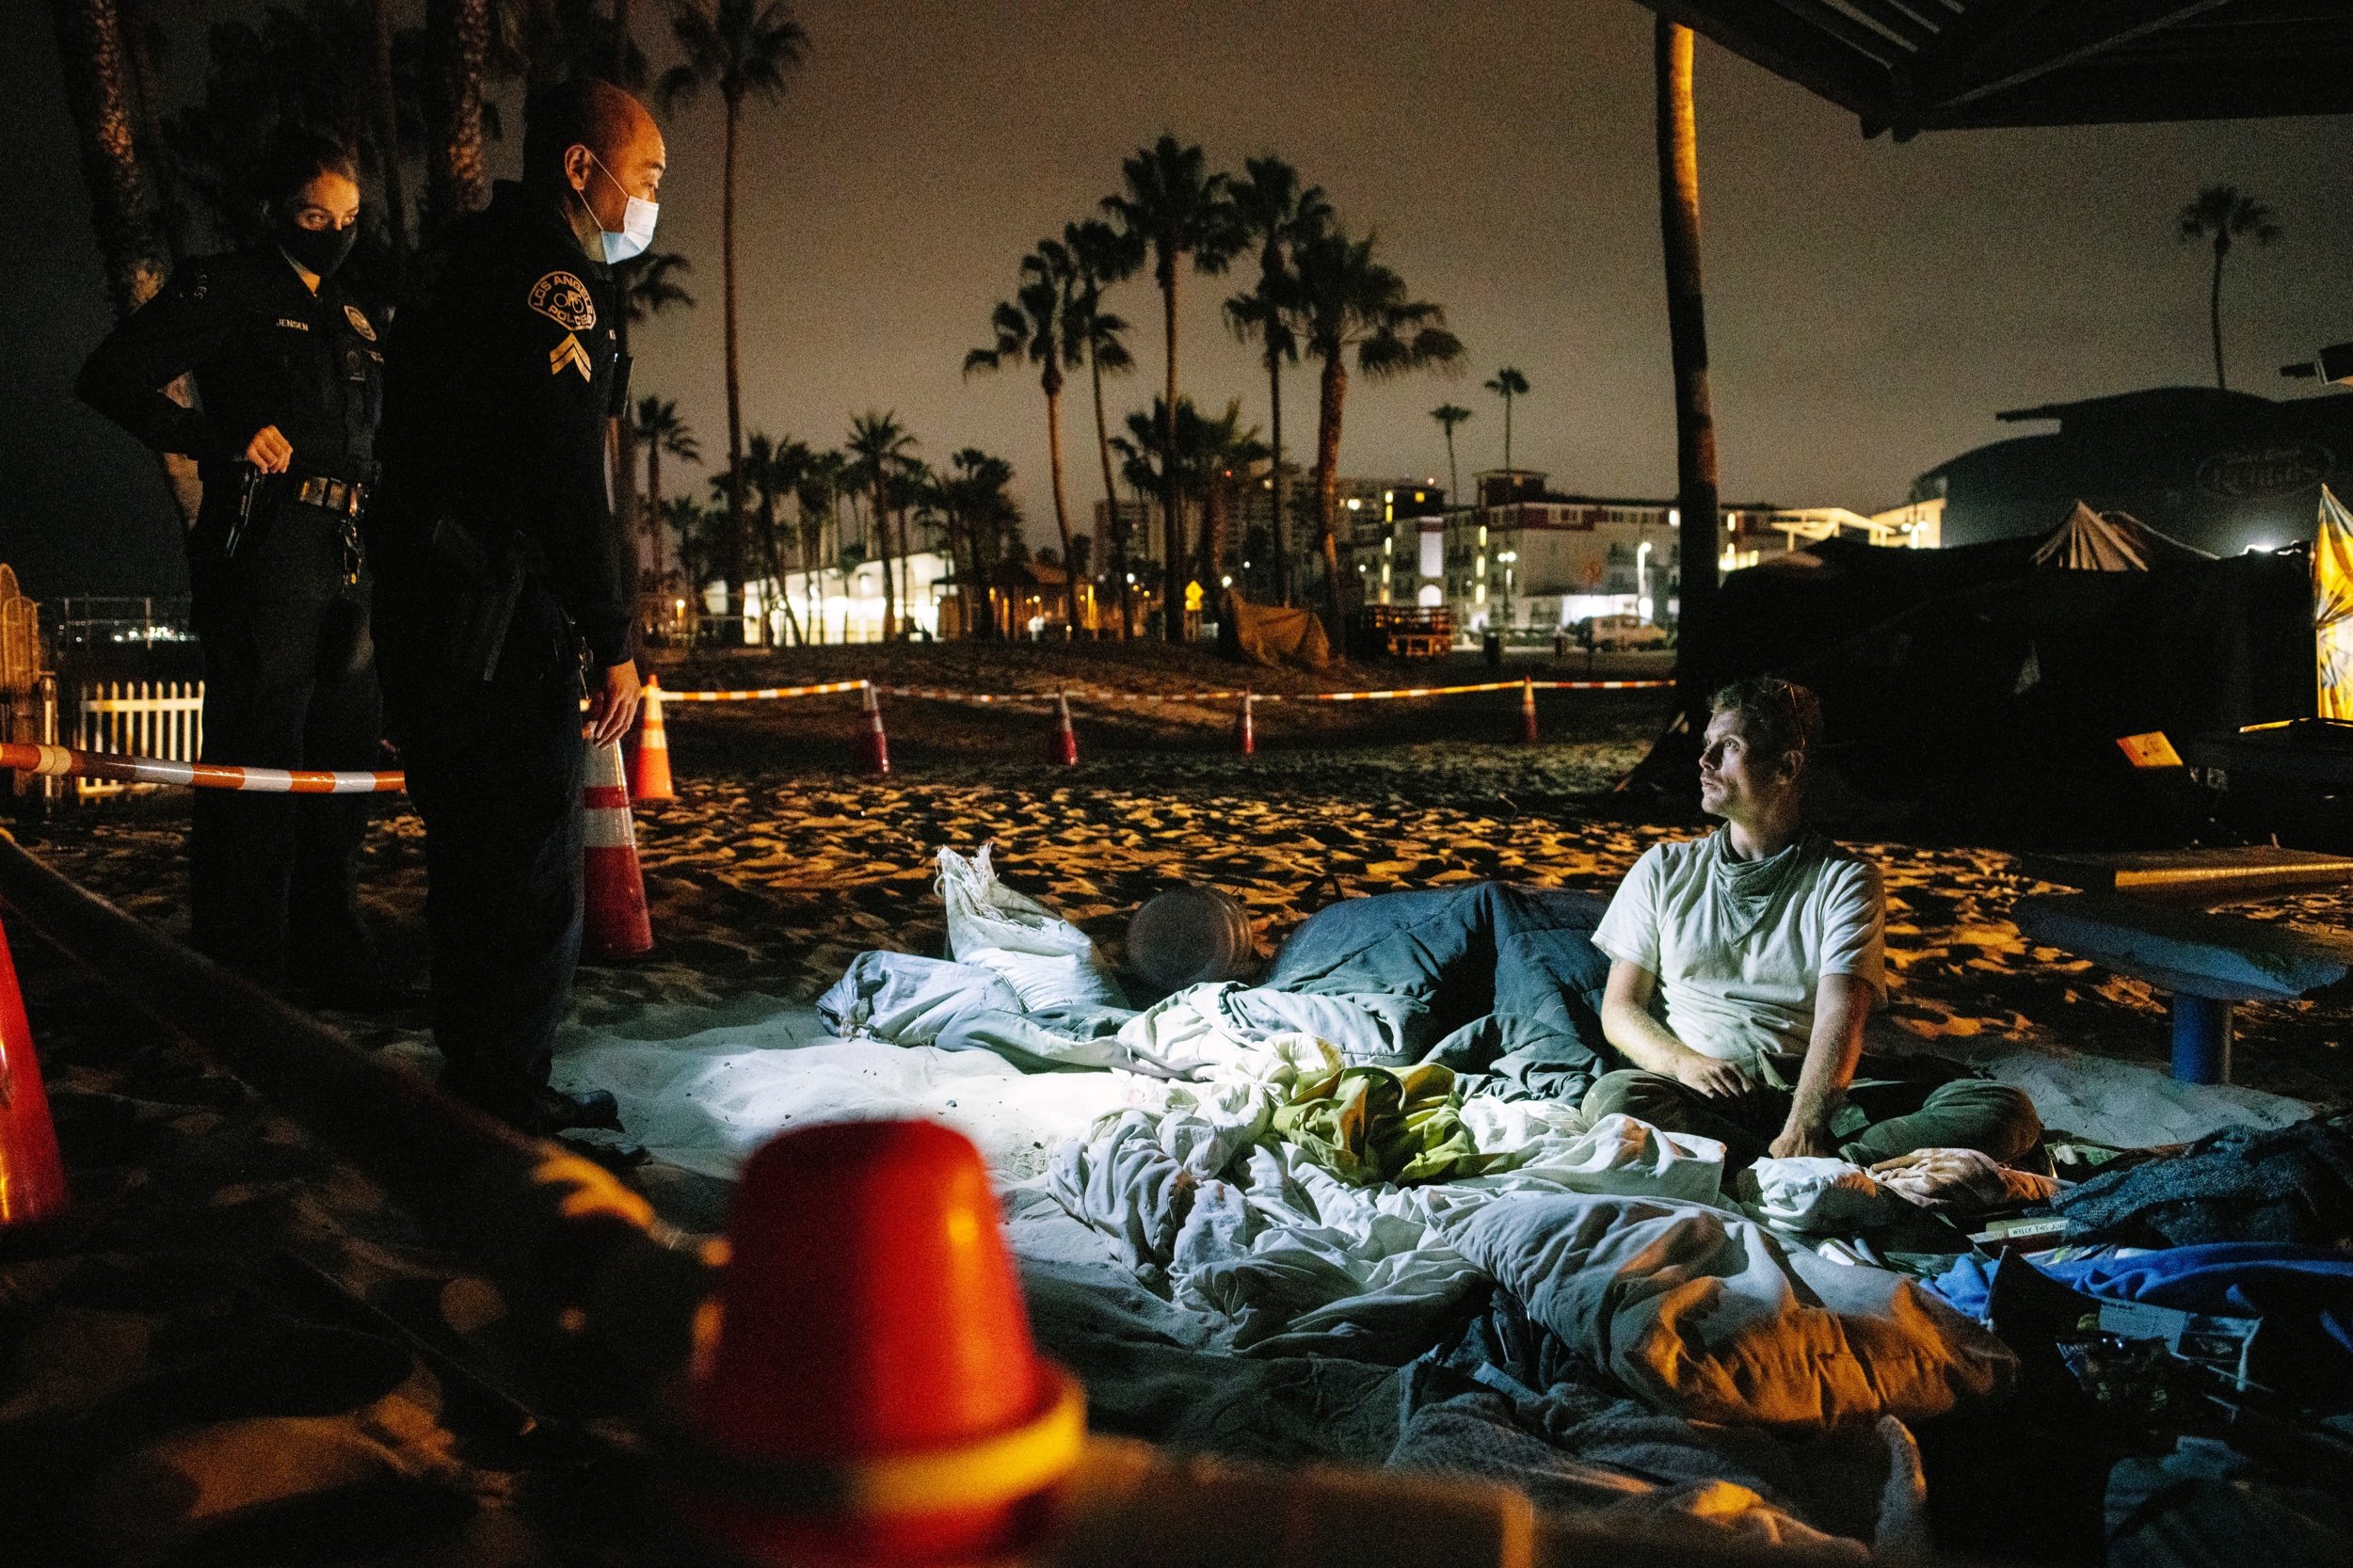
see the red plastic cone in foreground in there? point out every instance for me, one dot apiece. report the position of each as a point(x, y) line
point(873, 748)
point(867, 1389)
point(1064, 749)
point(1527, 711)
point(649, 777)
point(614, 924)
point(32, 1177)
point(1246, 731)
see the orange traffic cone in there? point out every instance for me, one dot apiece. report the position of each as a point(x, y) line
point(1246, 732)
point(613, 921)
point(32, 1177)
point(867, 1384)
point(873, 748)
point(1063, 748)
point(649, 778)
point(1527, 711)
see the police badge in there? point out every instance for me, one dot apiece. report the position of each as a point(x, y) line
point(565, 301)
point(359, 323)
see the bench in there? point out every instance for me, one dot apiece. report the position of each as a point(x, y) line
point(2206, 877)
point(2209, 962)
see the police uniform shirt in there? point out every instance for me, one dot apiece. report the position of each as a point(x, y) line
point(502, 378)
point(263, 351)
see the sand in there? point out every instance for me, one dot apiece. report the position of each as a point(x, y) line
point(768, 873)
point(775, 865)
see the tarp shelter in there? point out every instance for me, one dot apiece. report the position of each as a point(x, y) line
point(1272, 634)
point(1975, 690)
point(2087, 540)
point(2332, 606)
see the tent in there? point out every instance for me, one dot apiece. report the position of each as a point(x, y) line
point(1974, 691)
point(2332, 606)
point(2087, 540)
point(1271, 635)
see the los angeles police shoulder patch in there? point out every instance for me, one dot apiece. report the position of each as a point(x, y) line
point(565, 301)
point(359, 323)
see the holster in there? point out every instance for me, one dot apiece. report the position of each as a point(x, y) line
point(483, 582)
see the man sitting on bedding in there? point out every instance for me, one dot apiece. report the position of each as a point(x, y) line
point(1763, 942)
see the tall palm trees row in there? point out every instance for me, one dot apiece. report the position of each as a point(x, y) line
point(1319, 292)
point(817, 510)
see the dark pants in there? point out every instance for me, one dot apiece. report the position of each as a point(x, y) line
point(1901, 1104)
point(289, 682)
point(495, 770)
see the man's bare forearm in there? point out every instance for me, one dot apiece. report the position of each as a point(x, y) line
point(1832, 1053)
point(1641, 1038)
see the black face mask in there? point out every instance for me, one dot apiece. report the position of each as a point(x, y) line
point(318, 251)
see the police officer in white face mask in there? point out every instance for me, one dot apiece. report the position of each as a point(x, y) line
point(504, 598)
point(287, 361)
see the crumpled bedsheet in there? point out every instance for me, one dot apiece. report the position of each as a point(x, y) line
point(1497, 1396)
point(1705, 1315)
point(1487, 980)
point(1615, 1238)
point(1208, 1203)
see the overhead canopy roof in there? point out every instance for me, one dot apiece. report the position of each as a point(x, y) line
point(1907, 66)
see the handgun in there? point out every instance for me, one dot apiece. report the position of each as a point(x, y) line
point(248, 490)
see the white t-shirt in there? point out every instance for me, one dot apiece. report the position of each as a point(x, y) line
point(1740, 947)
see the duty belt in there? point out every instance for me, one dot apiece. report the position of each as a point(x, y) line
point(335, 495)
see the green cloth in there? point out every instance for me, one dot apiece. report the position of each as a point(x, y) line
point(1369, 1125)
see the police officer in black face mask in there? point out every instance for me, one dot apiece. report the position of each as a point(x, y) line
point(503, 601)
point(288, 370)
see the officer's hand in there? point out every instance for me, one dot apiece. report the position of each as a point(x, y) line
point(612, 704)
point(269, 451)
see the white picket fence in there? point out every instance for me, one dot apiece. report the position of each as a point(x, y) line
point(144, 718)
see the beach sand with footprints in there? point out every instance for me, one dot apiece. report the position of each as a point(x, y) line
point(215, 1247)
point(775, 865)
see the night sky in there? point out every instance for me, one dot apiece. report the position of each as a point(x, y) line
point(1870, 306)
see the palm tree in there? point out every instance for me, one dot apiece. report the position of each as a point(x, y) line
point(2223, 213)
point(972, 497)
point(1275, 212)
point(123, 205)
point(1176, 206)
point(646, 288)
point(1508, 384)
point(820, 496)
point(1228, 458)
point(778, 478)
point(384, 108)
point(1686, 338)
point(1348, 300)
point(880, 443)
point(1104, 257)
point(692, 522)
point(1039, 325)
point(1448, 415)
point(660, 428)
point(744, 48)
point(456, 176)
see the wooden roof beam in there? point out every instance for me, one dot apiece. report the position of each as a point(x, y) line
point(1761, 32)
point(1864, 39)
point(2044, 38)
point(1892, 17)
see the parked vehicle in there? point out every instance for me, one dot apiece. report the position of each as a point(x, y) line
point(1620, 631)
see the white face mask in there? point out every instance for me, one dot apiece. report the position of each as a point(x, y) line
point(637, 221)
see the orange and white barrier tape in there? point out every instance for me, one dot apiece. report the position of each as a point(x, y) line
point(763, 693)
point(1094, 694)
point(63, 761)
